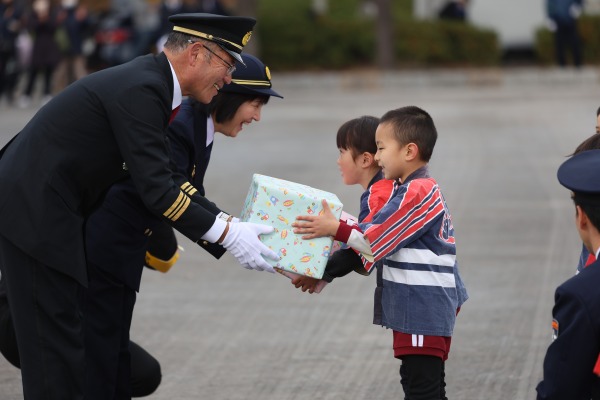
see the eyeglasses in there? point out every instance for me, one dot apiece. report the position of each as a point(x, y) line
point(230, 67)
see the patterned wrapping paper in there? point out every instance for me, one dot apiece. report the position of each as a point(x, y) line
point(278, 202)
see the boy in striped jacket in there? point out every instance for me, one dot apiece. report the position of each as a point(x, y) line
point(411, 242)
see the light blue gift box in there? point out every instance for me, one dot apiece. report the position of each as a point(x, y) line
point(277, 202)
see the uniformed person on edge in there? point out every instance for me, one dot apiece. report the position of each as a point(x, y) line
point(105, 127)
point(570, 359)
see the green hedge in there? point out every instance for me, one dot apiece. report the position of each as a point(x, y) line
point(445, 43)
point(292, 38)
point(589, 30)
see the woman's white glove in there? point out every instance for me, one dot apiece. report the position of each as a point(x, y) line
point(243, 243)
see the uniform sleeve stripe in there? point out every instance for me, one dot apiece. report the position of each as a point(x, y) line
point(188, 188)
point(182, 209)
point(178, 207)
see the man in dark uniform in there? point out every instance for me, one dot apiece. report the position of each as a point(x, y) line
point(570, 359)
point(121, 235)
point(105, 127)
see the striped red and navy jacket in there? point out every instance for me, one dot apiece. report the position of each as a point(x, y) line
point(413, 244)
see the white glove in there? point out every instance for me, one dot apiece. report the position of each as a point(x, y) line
point(235, 219)
point(243, 243)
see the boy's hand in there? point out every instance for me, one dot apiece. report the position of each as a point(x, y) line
point(314, 226)
point(305, 283)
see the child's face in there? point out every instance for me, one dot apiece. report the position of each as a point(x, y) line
point(349, 168)
point(598, 124)
point(390, 153)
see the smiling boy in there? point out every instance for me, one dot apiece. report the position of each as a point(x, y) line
point(411, 241)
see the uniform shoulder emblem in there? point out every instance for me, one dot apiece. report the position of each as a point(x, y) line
point(554, 329)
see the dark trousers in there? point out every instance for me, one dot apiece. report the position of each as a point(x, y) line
point(567, 41)
point(48, 321)
point(423, 378)
point(145, 369)
point(108, 309)
point(33, 73)
point(9, 73)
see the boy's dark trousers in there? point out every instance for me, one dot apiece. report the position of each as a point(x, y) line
point(423, 378)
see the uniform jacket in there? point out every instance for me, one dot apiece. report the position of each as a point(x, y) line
point(413, 244)
point(570, 358)
point(118, 233)
point(103, 128)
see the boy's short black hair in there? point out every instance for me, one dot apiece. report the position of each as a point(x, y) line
point(358, 135)
point(413, 125)
point(225, 105)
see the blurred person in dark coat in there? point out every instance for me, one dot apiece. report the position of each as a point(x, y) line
point(42, 24)
point(563, 16)
point(74, 21)
point(455, 10)
point(10, 26)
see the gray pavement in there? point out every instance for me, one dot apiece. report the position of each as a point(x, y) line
point(222, 332)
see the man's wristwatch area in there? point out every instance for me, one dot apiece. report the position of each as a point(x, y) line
point(225, 217)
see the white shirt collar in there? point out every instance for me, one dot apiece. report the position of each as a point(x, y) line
point(177, 96)
point(210, 131)
point(597, 252)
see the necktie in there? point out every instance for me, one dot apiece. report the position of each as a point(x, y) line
point(173, 114)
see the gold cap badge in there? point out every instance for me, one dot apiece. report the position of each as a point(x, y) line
point(246, 38)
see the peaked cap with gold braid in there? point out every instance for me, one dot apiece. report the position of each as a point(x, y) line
point(231, 33)
point(255, 79)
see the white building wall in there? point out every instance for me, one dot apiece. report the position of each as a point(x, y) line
point(515, 21)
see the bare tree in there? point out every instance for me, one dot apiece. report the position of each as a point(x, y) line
point(384, 22)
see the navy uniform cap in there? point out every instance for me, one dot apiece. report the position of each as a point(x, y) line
point(255, 79)
point(581, 173)
point(231, 33)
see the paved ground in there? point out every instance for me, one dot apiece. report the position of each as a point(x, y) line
point(222, 332)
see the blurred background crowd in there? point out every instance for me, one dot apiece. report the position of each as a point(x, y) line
point(45, 45)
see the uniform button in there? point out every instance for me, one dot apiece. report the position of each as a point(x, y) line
point(204, 243)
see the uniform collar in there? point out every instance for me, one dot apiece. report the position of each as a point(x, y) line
point(177, 96)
